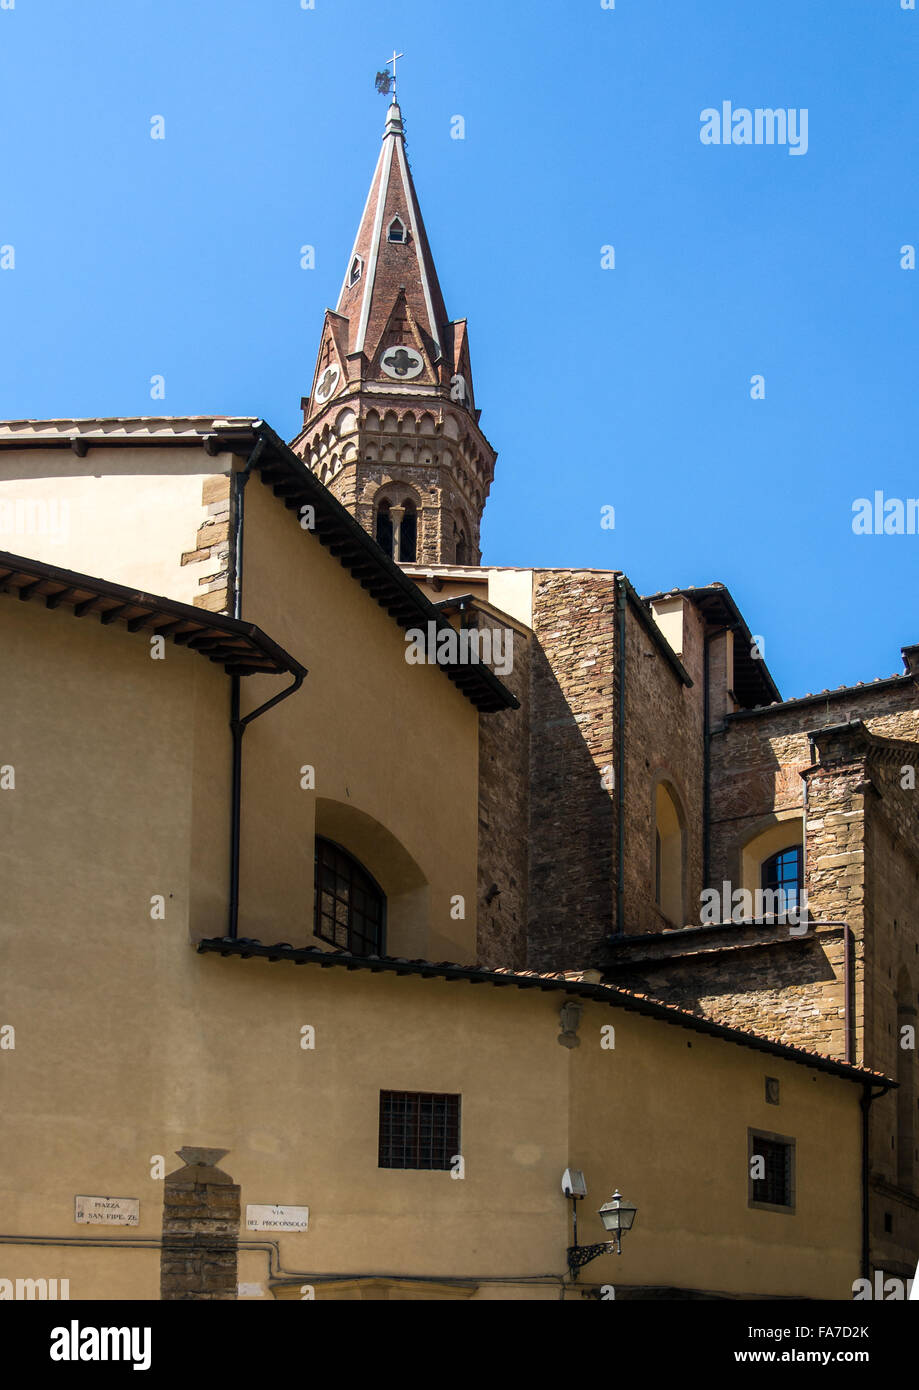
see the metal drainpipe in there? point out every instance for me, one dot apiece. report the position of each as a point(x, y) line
point(867, 1098)
point(238, 725)
point(804, 837)
point(706, 760)
point(622, 605)
point(847, 942)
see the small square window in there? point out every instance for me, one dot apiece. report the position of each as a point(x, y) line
point(419, 1129)
point(771, 1171)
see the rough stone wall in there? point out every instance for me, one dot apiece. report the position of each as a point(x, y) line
point(756, 761)
point(504, 805)
point(200, 1229)
point(755, 771)
point(892, 856)
point(861, 866)
point(212, 546)
point(892, 981)
point(834, 849)
point(572, 746)
point(755, 977)
point(664, 741)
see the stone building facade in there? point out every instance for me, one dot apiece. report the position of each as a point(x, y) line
point(639, 769)
point(653, 763)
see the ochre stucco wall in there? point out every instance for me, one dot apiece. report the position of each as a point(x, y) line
point(212, 1056)
point(127, 515)
point(394, 747)
point(130, 1045)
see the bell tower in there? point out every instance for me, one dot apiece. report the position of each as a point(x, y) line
point(391, 426)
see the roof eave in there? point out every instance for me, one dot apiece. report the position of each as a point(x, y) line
point(667, 1013)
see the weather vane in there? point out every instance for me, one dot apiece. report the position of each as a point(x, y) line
point(386, 81)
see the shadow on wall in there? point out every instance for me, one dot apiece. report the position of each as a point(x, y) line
point(572, 827)
point(694, 984)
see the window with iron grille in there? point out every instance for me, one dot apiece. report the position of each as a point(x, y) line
point(418, 1129)
point(774, 1183)
point(350, 907)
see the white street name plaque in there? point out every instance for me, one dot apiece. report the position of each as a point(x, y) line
point(107, 1211)
point(274, 1218)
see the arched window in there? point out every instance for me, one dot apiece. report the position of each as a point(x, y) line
point(354, 274)
point(397, 229)
point(350, 907)
point(669, 855)
point(384, 529)
point(408, 534)
point(781, 874)
point(461, 547)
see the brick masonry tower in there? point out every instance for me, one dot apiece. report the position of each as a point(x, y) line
point(391, 426)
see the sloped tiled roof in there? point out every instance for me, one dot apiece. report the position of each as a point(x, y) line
point(575, 982)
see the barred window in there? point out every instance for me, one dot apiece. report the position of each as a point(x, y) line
point(418, 1129)
point(350, 907)
point(772, 1170)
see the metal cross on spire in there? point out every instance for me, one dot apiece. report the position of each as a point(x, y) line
point(394, 59)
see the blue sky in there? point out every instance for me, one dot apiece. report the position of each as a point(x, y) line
point(627, 387)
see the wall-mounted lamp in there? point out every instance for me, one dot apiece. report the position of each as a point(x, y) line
point(617, 1216)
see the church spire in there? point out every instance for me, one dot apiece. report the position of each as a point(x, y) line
point(391, 425)
point(391, 253)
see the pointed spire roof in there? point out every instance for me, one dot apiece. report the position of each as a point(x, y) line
point(381, 268)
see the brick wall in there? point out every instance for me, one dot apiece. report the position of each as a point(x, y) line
point(200, 1229)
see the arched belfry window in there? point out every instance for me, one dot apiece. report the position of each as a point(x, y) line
point(396, 530)
point(781, 873)
point(350, 906)
point(397, 230)
point(357, 269)
point(460, 547)
point(384, 532)
point(408, 534)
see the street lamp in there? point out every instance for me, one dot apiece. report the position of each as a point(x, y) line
point(617, 1216)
